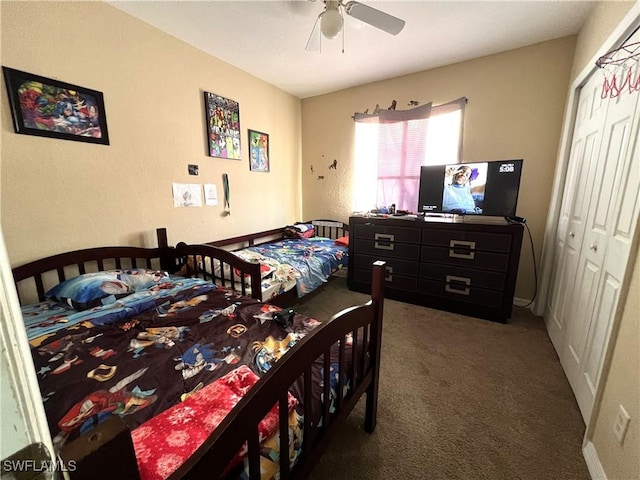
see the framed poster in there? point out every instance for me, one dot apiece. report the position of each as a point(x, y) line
point(258, 151)
point(223, 126)
point(49, 108)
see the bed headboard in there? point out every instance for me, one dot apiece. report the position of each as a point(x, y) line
point(330, 228)
point(323, 228)
point(35, 278)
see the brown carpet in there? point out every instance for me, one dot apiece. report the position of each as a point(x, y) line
point(460, 398)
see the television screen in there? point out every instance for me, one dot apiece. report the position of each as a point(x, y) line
point(479, 188)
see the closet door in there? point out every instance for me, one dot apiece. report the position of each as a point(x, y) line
point(585, 147)
point(601, 216)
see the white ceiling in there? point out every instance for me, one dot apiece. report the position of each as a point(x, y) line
point(268, 38)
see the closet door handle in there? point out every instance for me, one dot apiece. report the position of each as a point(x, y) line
point(593, 247)
point(459, 285)
point(468, 249)
point(384, 241)
point(571, 234)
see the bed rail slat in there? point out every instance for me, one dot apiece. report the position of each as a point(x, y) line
point(254, 454)
point(341, 370)
point(283, 416)
point(326, 381)
point(355, 378)
point(307, 439)
point(365, 350)
point(39, 287)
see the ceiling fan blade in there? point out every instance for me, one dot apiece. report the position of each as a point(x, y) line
point(374, 17)
point(313, 44)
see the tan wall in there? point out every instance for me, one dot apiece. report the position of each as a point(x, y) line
point(603, 19)
point(514, 110)
point(59, 195)
point(621, 380)
point(622, 387)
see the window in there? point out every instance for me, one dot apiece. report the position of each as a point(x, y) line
point(392, 146)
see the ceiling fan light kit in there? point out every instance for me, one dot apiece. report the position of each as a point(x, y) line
point(331, 20)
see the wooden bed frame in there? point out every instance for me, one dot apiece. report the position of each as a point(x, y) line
point(107, 451)
point(323, 228)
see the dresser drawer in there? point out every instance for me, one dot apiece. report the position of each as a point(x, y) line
point(393, 249)
point(397, 282)
point(461, 293)
point(463, 276)
point(491, 242)
point(467, 258)
point(388, 233)
point(393, 265)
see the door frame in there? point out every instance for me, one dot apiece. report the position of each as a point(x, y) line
point(25, 398)
point(624, 29)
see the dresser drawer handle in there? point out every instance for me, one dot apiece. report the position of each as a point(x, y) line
point(389, 277)
point(467, 249)
point(384, 241)
point(459, 285)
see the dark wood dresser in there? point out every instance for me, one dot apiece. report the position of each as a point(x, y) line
point(468, 267)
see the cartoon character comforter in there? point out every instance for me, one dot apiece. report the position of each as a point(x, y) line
point(313, 259)
point(146, 367)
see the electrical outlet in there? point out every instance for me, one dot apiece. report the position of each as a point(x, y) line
point(621, 424)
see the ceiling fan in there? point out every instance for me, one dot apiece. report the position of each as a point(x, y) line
point(330, 22)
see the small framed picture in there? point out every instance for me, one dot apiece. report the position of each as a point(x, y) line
point(49, 108)
point(258, 151)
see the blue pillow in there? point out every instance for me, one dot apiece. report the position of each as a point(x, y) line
point(102, 288)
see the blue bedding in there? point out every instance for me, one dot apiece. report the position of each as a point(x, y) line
point(315, 259)
point(49, 316)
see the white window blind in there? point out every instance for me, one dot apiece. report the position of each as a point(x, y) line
point(393, 145)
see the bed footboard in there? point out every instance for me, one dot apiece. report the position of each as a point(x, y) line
point(364, 324)
point(217, 266)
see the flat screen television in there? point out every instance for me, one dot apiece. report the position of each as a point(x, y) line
point(478, 188)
